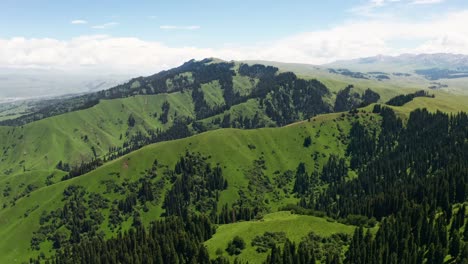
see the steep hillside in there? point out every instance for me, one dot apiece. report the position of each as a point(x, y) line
point(200, 95)
point(193, 98)
point(78, 136)
point(249, 97)
point(236, 151)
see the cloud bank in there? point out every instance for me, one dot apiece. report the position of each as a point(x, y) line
point(359, 38)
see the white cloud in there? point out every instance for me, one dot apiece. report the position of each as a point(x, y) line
point(377, 2)
point(374, 8)
point(366, 37)
point(172, 27)
point(426, 2)
point(79, 21)
point(105, 26)
point(91, 53)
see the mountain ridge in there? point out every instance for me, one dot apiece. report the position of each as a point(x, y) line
point(426, 62)
point(406, 62)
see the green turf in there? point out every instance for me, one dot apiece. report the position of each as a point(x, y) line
point(213, 93)
point(243, 84)
point(444, 102)
point(295, 226)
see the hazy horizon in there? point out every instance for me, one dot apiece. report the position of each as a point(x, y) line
point(92, 39)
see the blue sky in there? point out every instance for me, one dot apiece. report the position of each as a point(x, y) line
point(220, 21)
point(150, 35)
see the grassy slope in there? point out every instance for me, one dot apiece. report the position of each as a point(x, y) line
point(295, 227)
point(281, 147)
point(213, 93)
point(18, 184)
point(246, 109)
point(14, 109)
point(444, 102)
point(43, 143)
point(243, 84)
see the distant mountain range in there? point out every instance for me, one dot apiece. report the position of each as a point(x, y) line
point(413, 61)
point(430, 66)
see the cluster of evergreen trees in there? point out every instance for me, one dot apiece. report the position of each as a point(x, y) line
point(81, 169)
point(414, 235)
point(400, 100)
point(312, 249)
point(333, 172)
point(164, 117)
point(171, 240)
point(240, 121)
point(287, 98)
point(77, 220)
point(257, 71)
point(347, 99)
point(426, 159)
point(177, 238)
point(236, 213)
point(196, 187)
point(410, 177)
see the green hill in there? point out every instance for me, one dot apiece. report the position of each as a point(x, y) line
point(197, 96)
point(244, 156)
point(235, 150)
point(83, 135)
point(204, 151)
point(71, 137)
point(92, 132)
